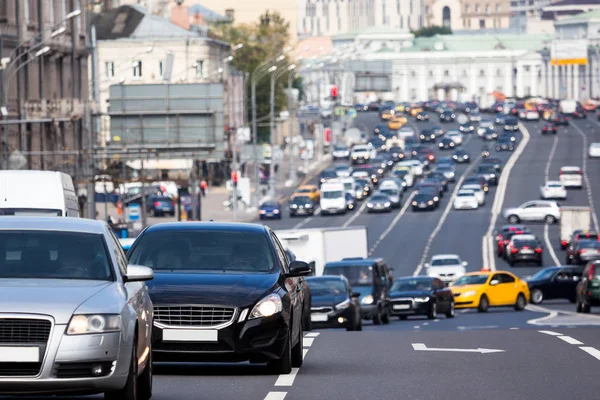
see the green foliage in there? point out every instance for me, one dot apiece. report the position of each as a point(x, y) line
point(266, 39)
point(433, 30)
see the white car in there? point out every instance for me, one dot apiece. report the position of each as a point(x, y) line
point(466, 199)
point(474, 116)
point(455, 136)
point(406, 131)
point(571, 176)
point(446, 267)
point(553, 190)
point(416, 167)
point(536, 210)
point(479, 192)
point(594, 151)
point(532, 115)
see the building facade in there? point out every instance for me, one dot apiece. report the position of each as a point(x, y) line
point(468, 14)
point(44, 85)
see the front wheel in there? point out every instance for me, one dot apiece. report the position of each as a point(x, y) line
point(513, 219)
point(385, 318)
point(130, 390)
point(521, 302)
point(432, 311)
point(537, 296)
point(377, 317)
point(283, 365)
point(297, 351)
point(484, 304)
point(550, 219)
point(451, 311)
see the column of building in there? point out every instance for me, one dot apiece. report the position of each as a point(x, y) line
point(533, 69)
point(520, 72)
point(473, 90)
point(576, 84)
point(508, 84)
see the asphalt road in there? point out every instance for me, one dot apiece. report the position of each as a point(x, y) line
point(432, 359)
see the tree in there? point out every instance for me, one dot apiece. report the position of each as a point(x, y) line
point(433, 30)
point(263, 40)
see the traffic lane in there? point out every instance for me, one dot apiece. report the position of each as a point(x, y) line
point(523, 371)
point(591, 129)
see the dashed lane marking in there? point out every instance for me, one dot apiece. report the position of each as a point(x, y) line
point(276, 396)
point(307, 220)
point(551, 333)
point(549, 246)
point(308, 342)
point(569, 340)
point(513, 329)
point(592, 352)
point(312, 334)
point(288, 379)
point(392, 224)
point(356, 214)
point(304, 351)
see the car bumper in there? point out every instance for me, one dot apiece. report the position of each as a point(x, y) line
point(259, 339)
point(335, 319)
point(302, 211)
point(415, 308)
point(328, 211)
point(525, 257)
point(377, 209)
point(466, 206)
point(368, 311)
point(466, 302)
point(66, 362)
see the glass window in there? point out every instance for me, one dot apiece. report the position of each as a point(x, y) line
point(357, 275)
point(119, 254)
point(280, 253)
point(137, 69)
point(505, 278)
point(204, 251)
point(402, 285)
point(199, 68)
point(54, 255)
point(109, 69)
point(543, 274)
point(471, 280)
point(327, 287)
point(161, 69)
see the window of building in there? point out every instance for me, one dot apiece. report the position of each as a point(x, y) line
point(109, 69)
point(26, 11)
point(498, 72)
point(464, 73)
point(467, 8)
point(161, 65)
point(137, 69)
point(487, 9)
point(482, 73)
point(476, 8)
point(482, 23)
point(446, 17)
point(431, 74)
point(498, 8)
point(199, 68)
point(446, 73)
point(481, 90)
point(413, 94)
point(398, 7)
point(499, 89)
point(413, 74)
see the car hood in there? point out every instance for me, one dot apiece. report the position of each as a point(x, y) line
point(409, 293)
point(363, 290)
point(327, 300)
point(239, 290)
point(459, 269)
point(59, 298)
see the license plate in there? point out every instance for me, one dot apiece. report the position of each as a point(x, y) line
point(269, 214)
point(190, 335)
point(422, 205)
point(319, 317)
point(19, 354)
point(527, 251)
point(166, 209)
point(401, 307)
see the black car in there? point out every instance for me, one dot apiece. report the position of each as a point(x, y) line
point(500, 119)
point(301, 205)
point(446, 144)
point(496, 162)
point(438, 130)
point(361, 107)
point(334, 304)
point(489, 134)
point(381, 128)
point(377, 142)
point(379, 202)
point(561, 119)
point(461, 156)
point(374, 106)
point(424, 201)
point(437, 177)
point(580, 112)
point(529, 251)
point(466, 128)
point(327, 175)
point(160, 206)
point(396, 152)
point(229, 288)
point(477, 180)
point(350, 202)
point(447, 116)
point(510, 135)
point(427, 135)
point(371, 278)
point(306, 323)
point(554, 283)
point(549, 128)
point(489, 172)
point(366, 184)
point(503, 239)
point(504, 143)
point(422, 116)
point(419, 295)
point(511, 124)
point(585, 251)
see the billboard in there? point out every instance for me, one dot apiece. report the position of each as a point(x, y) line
point(569, 52)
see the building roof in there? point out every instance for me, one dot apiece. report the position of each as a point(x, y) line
point(135, 22)
point(207, 14)
point(373, 30)
point(582, 17)
point(486, 42)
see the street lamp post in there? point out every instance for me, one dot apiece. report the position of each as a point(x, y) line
point(292, 111)
point(272, 71)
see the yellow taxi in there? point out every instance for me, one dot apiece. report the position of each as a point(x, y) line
point(485, 289)
point(396, 123)
point(387, 115)
point(400, 108)
point(415, 110)
point(310, 191)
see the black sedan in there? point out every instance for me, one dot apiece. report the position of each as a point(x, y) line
point(467, 128)
point(223, 292)
point(422, 116)
point(511, 124)
point(301, 205)
point(420, 296)
point(397, 153)
point(525, 251)
point(438, 130)
point(447, 116)
point(446, 144)
point(489, 134)
point(554, 283)
point(437, 177)
point(549, 128)
point(461, 156)
point(379, 203)
point(427, 135)
point(334, 304)
point(496, 162)
point(424, 201)
point(504, 144)
point(561, 119)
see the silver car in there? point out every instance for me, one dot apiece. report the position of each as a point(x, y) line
point(75, 318)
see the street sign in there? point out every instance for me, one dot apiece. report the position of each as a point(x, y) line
point(134, 212)
point(352, 112)
point(267, 151)
point(339, 111)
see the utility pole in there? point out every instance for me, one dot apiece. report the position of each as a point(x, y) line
point(272, 191)
point(319, 135)
point(293, 123)
point(93, 133)
point(255, 197)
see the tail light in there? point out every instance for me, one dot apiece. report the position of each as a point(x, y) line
point(592, 272)
point(538, 250)
point(579, 251)
point(514, 251)
point(564, 242)
point(498, 237)
point(157, 204)
point(545, 128)
point(560, 173)
point(580, 173)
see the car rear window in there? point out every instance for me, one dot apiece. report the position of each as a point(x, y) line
point(525, 243)
point(569, 172)
point(357, 275)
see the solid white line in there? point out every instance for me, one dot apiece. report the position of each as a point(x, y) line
point(588, 186)
point(307, 342)
point(287, 379)
point(447, 210)
point(550, 158)
point(276, 396)
point(416, 327)
point(499, 197)
point(592, 352)
point(513, 329)
point(356, 214)
point(312, 334)
point(549, 246)
point(393, 223)
point(539, 321)
point(304, 351)
point(570, 340)
point(551, 333)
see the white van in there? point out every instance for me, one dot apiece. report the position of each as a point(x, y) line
point(333, 198)
point(571, 176)
point(44, 193)
point(349, 183)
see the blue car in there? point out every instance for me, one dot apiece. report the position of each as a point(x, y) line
point(270, 210)
point(126, 243)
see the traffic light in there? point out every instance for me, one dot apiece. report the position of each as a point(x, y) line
point(234, 178)
point(334, 92)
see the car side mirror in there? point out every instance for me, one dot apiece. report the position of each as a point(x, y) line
point(494, 282)
point(138, 273)
point(426, 265)
point(355, 295)
point(465, 263)
point(299, 268)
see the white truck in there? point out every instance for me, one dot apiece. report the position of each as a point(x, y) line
point(333, 198)
point(319, 246)
point(572, 219)
point(567, 106)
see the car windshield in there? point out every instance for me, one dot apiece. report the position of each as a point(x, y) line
point(465, 194)
point(331, 194)
point(486, 169)
point(326, 287)
point(544, 274)
point(443, 262)
point(270, 204)
point(390, 192)
point(589, 244)
point(304, 190)
point(301, 200)
point(54, 255)
point(471, 280)
point(554, 185)
point(406, 285)
point(329, 173)
point(524, 243)
point(357, 275)
point(203, 250)
point(379, 199)
point(360, 150)
point(570, 172)
point(340, 148)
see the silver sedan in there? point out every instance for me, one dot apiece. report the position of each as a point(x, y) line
point(75, 318)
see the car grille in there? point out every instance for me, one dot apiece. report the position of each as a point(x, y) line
point(206, 316)
point(24, 331)
point(83, 370)
point(321, 309)
point(191, 347)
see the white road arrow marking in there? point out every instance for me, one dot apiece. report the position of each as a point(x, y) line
point(422, 347)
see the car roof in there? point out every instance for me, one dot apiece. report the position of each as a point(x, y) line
point(63, 224)
point(326, 278)
point(444, 256)
point(570, 168)
point(354, 262)
point(207, 226)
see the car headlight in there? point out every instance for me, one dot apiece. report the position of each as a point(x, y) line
point(294, 206)
point(470, 293)
point(441, 145)
point(414, 203)
point(387, 204)
point(81, 324)
point(262, 212)
point(465, 156)
point(368, 299)
point(436, 198)
point(267, 307)
point(421, 299)
point(275, 211)
point(422, 136)
point(369, 205)
point(354, 157)
point(430, 202)
point(343, 305)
